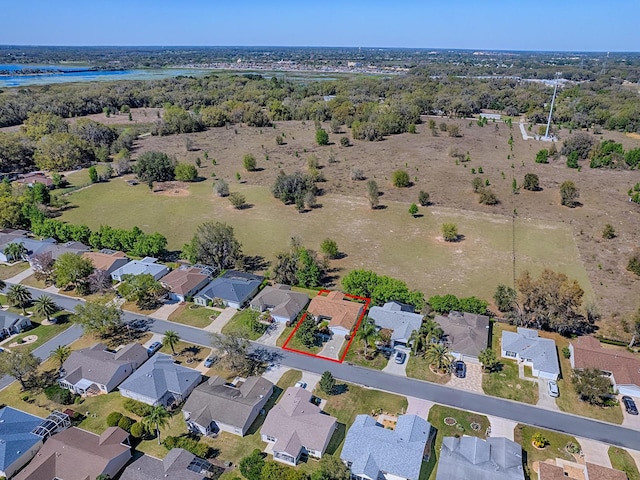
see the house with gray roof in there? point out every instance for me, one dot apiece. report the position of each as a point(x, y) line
point(527, 347)
point(233, 288)
point(283, 303)
point(160, 381)
point(18, 443)
point(31, 245)
point(397, 317)
point(229, 406)
point(465, 334)
point(57, 249)
point(177, 465)
point(97, 369)
point(12, 323)
point(296, 426)
point(464, 458)
point(147, 265)
point(373, 452)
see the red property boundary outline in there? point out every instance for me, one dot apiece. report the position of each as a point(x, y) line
point(366, 301)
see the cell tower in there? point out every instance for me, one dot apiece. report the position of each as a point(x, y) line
point(553, 101)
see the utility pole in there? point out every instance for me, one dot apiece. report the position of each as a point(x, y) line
point(553, 100)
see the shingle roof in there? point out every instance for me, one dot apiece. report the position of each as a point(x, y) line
point(16, 435)
point(371, 448)
point(233, 286)
point(69, 247)
point(185, 279)
point(104, 261)
point(553, 471)
point(464, 458)
point(160, 375)
point(218, 400)
point(177, 465)
point(395, 317)
point(343, 313)
point(588, 353)
point(527, 343)
point(8, 319)
point(282, 301)
point(138, 267)
point(466, 333)
point(296, 419)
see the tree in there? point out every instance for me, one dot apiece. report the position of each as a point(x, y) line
point(477, 184)
point(15, 251)
point(61, 354)
point(413, 210)
point(185, 172)
point(591, 385)
point(170, 339)
point(93, 174)
point(251, 466)
point(505, 298)
point(307, 331)
point(39, 124)
point(234, 356)
point(19, 365)
point(367, 334)
point(327, 382)
point(221, 187)
point(344, 141)
point(322, 137)
point(487, 197)
point(293, 188)
point(96, 317)
point(61, 152)
point(249, 162)
point(429, 333)
point(71, 270)
point(143, 289)
point(372, 193)
point(400, 179)
point(99, 281)
point(19, 296)
point(381, 289)
point(581, 144)
point(609, 232)
point(298, 266)
point(44, 305)
point(531, 182)
point(331, 468)
point(488, 359)
point(423, 198)
point(329, 248)
point(439, 357)
point(42, 264)
point(157, 419)
point(453, 130)
point(154, 167)
point(215, 244)
point(450, 232)
point(237, 200)
point(569, 194)
point(634, 265)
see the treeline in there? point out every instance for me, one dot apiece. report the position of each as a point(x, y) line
point(604, 154)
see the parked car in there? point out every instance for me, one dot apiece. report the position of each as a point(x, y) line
point(460, 369)
point(153, 348)
point(301, 384)
point(210, 361)
point(400, 357)
point(630, 405)
point(552, 389)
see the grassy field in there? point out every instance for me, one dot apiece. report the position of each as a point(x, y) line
point(385, 240)
point(418, 367)
point(523, 434)
point(193, 315)
point(8, 271)
point(238, 326)
point(621, 460)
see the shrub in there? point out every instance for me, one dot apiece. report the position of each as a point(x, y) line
point(412, 128)
point(566, 353)
point(487, 197)
point(138, 430)
point(344, 141)
point(400, 179)
point(188, 443)
point(322, 137)
point(93, 174)
point(126, 423)
point(539, 441)
point(221, 187)
point(413, 210)
point(185, 172)
point(634, 265)
point(423, 198)
point(531, 182)
point(477, 184)
point(542, 156)
point(450, 232)
point(329, 248)
point(609, 232)
point(57, 394)
point(357, 174)
point(237, 200)
point(137, 408)
point(249, 162)
point(569, 194)
point(114, 418)
point(279, 140)
point(327, 383)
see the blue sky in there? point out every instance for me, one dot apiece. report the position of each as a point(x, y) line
point(576, 25)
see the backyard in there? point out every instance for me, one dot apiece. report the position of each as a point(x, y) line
point(193, 315)
point(43, 332)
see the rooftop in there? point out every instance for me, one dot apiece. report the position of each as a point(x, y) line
point(397, 317)
point(16, 434)
point(466, 333)
point(185, 279)
point(233, 285)
point(177, 465)
point(541, 351)
point(588, 353)
point(341, 312)
point(282, 301)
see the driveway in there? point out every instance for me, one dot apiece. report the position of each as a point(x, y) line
point(272, 334)
point(595, 452)
point(544, 400)
point(419, 407)
point(631, 421)
point(165, 310)
point(332, 348)
point(472, 382)
point(501, 427)
point(221, 320)
point(396, 369)
point(274, 372)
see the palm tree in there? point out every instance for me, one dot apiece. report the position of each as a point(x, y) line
point(367, 334)
point(15, 251)
point(428, 333)
point(157, 419)
point(61, 354)
point(44, 305)
point(439, 357)
point(19, 296)
point(170, 339)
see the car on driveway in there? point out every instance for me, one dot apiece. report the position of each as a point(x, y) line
point(301, 384)
point(630, 405)
point(153, 348)
point(209, 361)
point(400, 357)
point(552, 389)
point(460, 369)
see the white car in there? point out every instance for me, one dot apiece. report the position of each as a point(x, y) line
point(301, 384)
point(552, 389)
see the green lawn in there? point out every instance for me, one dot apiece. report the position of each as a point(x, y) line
point(8, 271)
point(621, 460)
point(375, 358)
point(193, 315)
point(44, 333)
point(284, 335)
point(239, 325)
point(185, 350)
point(523, 435)
point(32, 281)
point(505, 382)
point(418, 367)
point(289, 379)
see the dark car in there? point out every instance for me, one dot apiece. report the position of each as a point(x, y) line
point(460, 369)
point(630, 405)
point(153, 348)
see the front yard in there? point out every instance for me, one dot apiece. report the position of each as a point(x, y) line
point(8, 271)
point(418, 367)
point(245, 324)
point(43, 332)
point(621, 460)
point(193, 315)
point(555, 448)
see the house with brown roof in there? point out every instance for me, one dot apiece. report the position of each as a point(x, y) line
point(32, 178)
point(296, 426)
point(342, 314)
point(186, 281)
point(623, 368)
point(76, 454)
point(560, 469)
point(107, 260)
point(466, 334)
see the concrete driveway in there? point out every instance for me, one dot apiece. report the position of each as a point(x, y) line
point(221, 320)
point(595, 452)
point(632, 421)
point(332, 348)
point(501, 427)
point(274, 372)
point(395, 368)
point(419, 407)
point(272, 334)
point(471, 382)
point(165, 310)
point(544, 399)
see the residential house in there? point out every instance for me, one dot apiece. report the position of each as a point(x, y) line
point(97, 369)
point(284, 304)
point(31, 245)
point(177, 465)
point(160, 381)
point(229, 406)
point(32, 178)
point(76, 454)
point(342, 314)
point(466, 334)
point(147, 265)
point(57, 249)
point(233, 288)
point(296, 426)
point(373, 452)
point(107, 260)
point(399, 318)
point(560, 469)
point(12, 323)
point(623, 368)
point(186, 281)
point(464, 458)
point(527, 347)
point(18, 443)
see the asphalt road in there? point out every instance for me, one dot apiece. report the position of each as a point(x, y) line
point(518, 412)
